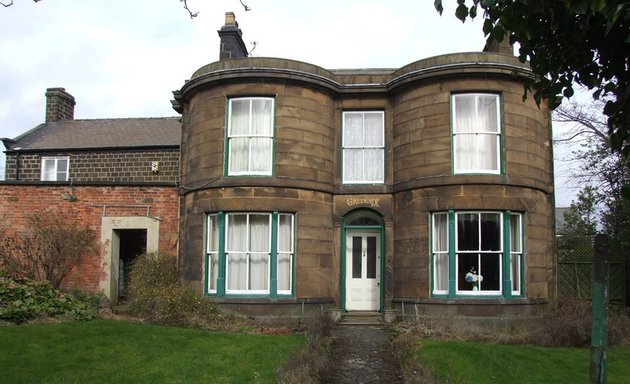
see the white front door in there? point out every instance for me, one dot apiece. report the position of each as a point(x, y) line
point(363, 270)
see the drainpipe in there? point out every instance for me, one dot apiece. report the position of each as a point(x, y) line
point(17, 166)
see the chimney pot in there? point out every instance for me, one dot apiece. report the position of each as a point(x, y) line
point(230, 19)
point(59, 105)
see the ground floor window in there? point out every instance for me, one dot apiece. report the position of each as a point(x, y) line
point(250, 253)
point(477, 253)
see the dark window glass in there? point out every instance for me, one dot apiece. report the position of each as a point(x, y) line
point(356, 257)
point(490, 232)
point(371, 257)
point(468, 232)
point(490, 270)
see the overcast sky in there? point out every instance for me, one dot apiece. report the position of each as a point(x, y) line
point(122, 58)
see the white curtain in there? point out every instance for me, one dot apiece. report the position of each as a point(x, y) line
point(236, 252)
point(48, 173)
point(261, 130)
point(285, 252)
point(251, 132)
point(259, 252)
point(516, 252)
point(440, 252)
point(213, 252)
point(476, 133)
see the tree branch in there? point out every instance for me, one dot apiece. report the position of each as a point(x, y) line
point(247, 8)
point(191, 13)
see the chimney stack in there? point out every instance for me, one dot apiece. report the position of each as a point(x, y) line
point(59, 105)
point(504, 47)
point(232, 45)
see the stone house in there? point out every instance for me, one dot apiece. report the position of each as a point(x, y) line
point(426, 188)
point(421, 189)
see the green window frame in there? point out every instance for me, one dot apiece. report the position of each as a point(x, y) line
point(250, 133)
point(476, 133)
point(477, 254)
point(250, 254)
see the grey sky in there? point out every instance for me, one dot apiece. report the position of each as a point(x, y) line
point(122, 58)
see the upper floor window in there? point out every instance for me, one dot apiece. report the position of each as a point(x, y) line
point(470, 250)
point(55, 168)
point(363, 147)
point(476, 133)
point(250, 136)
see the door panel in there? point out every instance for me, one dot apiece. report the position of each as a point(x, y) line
point(363, 269)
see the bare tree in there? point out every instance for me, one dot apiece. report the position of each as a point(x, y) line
point(185, 3)
point(601, 170)
point(52, 245)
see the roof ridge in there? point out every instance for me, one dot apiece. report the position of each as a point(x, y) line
point(123, 118)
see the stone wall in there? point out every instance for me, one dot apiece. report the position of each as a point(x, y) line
point(102, 166)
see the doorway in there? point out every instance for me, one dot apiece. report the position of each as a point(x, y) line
point(131, 243)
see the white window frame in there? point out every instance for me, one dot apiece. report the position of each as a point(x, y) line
point(250, 157)
point(363, 148)
point(55, 175)
point(466, 168)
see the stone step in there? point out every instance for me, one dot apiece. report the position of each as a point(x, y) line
point(362, 318)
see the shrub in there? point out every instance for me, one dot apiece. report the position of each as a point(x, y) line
point(156, 294)
point(23, 299)
point(307, 366)
point(51, 246)
point(567, 325)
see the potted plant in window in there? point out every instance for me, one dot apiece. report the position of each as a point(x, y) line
point(473, 278)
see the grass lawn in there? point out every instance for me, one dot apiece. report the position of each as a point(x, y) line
point(124, 352)
point(464, 362)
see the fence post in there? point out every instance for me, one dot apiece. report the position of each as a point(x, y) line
point(599, 331)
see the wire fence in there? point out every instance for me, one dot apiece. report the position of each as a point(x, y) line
point(575, 271)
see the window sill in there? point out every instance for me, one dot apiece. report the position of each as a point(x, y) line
point(269, 300)
point(473, 300)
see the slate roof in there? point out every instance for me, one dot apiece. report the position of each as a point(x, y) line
point(99, 134)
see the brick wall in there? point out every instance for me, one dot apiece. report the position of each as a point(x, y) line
point(18, 202)
point(103, 166)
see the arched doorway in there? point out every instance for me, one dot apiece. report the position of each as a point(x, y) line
point(362, 261)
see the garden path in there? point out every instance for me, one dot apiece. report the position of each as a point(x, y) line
point(363, 355)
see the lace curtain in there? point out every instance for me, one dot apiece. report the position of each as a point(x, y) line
point(363, 142)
